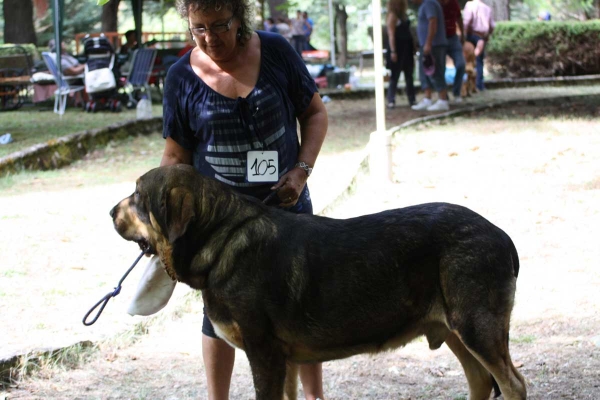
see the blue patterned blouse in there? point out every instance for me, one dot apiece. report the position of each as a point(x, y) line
point(219, 130)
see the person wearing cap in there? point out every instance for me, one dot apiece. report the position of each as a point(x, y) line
point(431, 32)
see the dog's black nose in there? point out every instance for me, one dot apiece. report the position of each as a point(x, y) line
point(112, 212)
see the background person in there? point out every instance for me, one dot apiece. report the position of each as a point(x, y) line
point(544, 16)
point(308, 31)
point(400, 51)
point(283, 28)
point(270, 25)
point(261, 90)
point(70, 65)
point(452, 18)
point(298, 25)
point(431, 31)
point(131, 43)
point(479, 24)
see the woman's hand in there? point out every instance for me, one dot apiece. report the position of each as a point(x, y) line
point(290, 187)
point(394, 57)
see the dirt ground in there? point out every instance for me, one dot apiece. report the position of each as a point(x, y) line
point(533, 170)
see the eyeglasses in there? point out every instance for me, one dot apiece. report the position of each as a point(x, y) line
point(216, 29)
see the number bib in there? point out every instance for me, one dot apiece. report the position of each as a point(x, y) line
point(262, 166)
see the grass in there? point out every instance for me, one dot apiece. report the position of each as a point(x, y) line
point(118, 161)
point(33, 125)
point(43, 364)
point(525, 339)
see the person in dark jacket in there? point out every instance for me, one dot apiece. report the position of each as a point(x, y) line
point(400, 51)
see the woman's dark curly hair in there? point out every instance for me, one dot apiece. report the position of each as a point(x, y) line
point(241, 10)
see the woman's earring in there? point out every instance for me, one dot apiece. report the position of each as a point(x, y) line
point(239, 33)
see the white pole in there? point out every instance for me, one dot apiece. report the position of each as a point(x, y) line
point(380, 159)
point(332, 32)
point(378, 59)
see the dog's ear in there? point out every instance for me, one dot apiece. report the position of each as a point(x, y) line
point(180, 212)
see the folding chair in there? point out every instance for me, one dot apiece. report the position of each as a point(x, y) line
point(139, 74)
point(64, 87)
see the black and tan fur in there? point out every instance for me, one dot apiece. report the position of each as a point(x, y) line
point(300, 288)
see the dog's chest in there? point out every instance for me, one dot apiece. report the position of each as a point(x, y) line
point(229, 332)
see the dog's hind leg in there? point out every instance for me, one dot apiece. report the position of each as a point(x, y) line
point(479, 379)
point(291, 381)
point(489, 345)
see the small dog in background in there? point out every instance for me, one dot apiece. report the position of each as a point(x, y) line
point(469, 86)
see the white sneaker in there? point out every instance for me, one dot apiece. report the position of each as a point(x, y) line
point(458, 100)
point(440, 105)
point(422, 105)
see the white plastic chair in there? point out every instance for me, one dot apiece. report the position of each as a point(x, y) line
point(64, 87)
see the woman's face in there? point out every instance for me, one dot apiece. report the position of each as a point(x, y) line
point(217, 42)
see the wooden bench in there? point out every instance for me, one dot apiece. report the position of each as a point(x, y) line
point(15, 76)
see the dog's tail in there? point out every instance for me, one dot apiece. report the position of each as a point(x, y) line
point(514, 257)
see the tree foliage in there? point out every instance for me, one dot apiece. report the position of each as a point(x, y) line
point(542, 49)
point(561, 10)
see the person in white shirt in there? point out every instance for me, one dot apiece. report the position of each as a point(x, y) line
point(70, 65)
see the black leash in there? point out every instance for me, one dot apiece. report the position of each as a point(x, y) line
point(114, 293)
point(270, 196)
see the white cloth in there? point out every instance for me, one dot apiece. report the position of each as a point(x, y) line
point(154, 290)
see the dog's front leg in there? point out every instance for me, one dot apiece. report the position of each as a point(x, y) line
point(268, 369)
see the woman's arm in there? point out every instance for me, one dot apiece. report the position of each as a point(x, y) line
point(175, 154)
point(392, 20)
point(313, 128)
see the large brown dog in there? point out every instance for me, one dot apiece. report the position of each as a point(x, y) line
point(299, 288)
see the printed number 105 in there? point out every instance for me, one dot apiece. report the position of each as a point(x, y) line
point(264, 167)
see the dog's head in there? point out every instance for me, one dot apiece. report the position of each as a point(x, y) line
point(159, 212)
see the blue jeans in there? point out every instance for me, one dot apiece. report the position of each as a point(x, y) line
point(437, 81)
point(455, 52)
point(479, 62)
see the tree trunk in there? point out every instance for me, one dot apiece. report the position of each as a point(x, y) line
point(275, 8)
point(341, 18)
point(110, 16)
point(501, 9)
point(18, 22)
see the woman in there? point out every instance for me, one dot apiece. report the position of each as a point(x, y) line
point(400, 51)
point(238, 93)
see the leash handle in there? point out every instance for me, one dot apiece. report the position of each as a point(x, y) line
point(270, 196)
point(104, 300)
